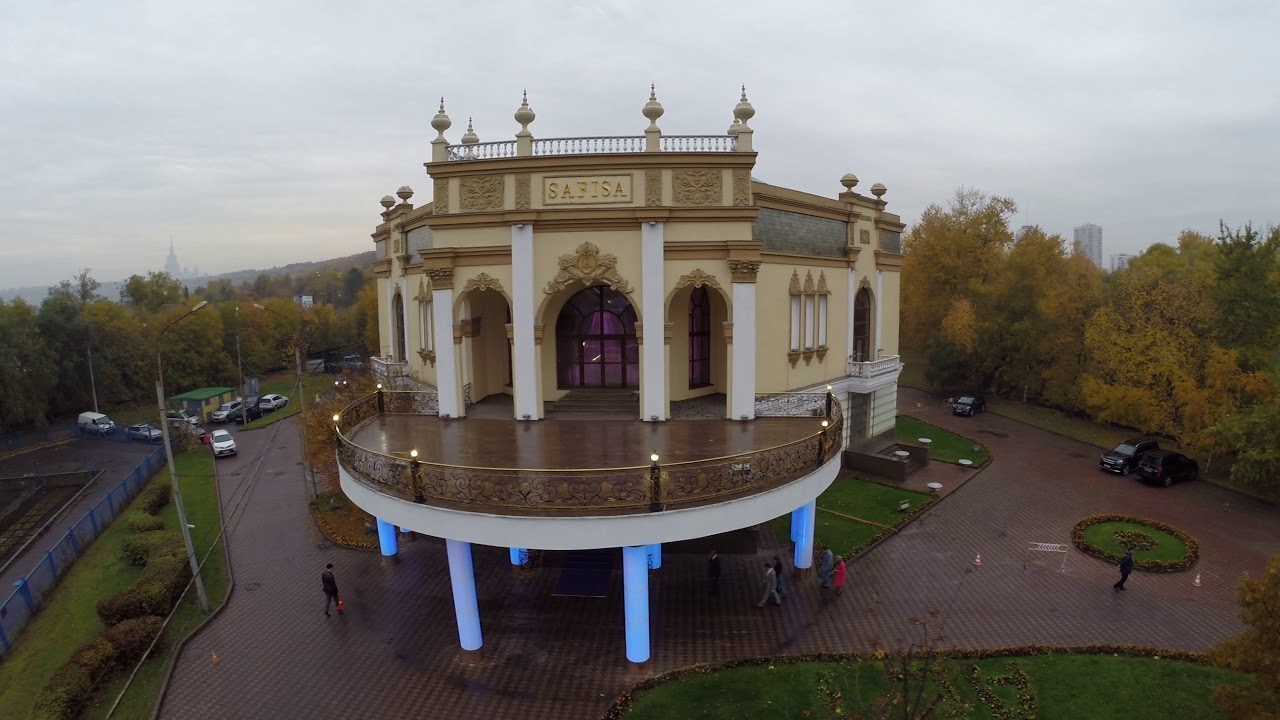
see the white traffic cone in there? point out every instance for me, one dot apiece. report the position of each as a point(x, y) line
point(1196, 582)
point(977, 562)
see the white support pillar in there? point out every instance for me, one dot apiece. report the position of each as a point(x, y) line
point(404, 326)
point(653, 353)
point(524, 373)
point(874, 352)
point(391, 313)
point(743, 402)
point(446, 352)
point(851, 298)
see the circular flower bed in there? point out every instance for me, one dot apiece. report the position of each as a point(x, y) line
point(1157, 547)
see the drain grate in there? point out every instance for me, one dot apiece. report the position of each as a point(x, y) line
point(252, 586)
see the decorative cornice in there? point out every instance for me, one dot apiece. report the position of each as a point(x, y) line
point(592, 164)
point(588, 266)
point(697, 278)
point(886, 260)
point(441, 278)
point(482, 282)
point(744, 271)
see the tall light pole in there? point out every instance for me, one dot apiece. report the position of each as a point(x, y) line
point(302, 393)
point(173, 471)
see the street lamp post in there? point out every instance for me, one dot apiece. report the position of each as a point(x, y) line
point(173, 471)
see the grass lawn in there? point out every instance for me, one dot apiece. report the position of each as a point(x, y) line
point(1099, 687)
point(288, 387)
point(1168, 547)
point(859, 498)
point(946, 447)
point(69, 617)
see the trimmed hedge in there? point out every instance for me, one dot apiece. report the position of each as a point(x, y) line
point(138, 549)
point(154, 497)
point(131, 638)
point(1088, 548)
point(141, 522)
point(153, 594)
point(65, 695)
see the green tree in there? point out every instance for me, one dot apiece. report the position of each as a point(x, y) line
point(1254, 435)
point(67, 337)
point(352, 283)
point(153, 292)
point(1246, 294)
point(950, 368)
point(27, 373)
point(1256, 651)
point(123, 364)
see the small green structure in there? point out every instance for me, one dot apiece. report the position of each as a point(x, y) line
point(203, 401)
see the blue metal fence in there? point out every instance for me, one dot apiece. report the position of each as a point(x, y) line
point(20, 439)
point(16, 612)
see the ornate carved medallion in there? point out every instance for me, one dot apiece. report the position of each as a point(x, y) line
point(481, 282)
point(697, 187)
point(865, 284)
point(588, 266)
point(697, 279)
point(483, 192)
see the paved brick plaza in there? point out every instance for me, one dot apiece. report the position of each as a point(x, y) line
point(396, 652)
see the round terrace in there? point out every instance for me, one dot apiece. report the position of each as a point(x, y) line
point(576, 485)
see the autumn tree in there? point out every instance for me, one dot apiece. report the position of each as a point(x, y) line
point(1253, 434)
point(1070, 300)
point(1246, 294)
point(1256, 651)
point(317, 430)
point(26, 372)
point(123, 363)
point(153, 292)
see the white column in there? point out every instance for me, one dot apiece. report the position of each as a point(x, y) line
point(850, 296)
point(404, 329)
point(743, 403)
point(391, 313)
point(653, 355)
point(874, 352)
point(446, 353)
point(525, 371)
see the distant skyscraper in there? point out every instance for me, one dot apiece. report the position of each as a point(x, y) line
point(1120, 262)
point(1088, 238)
point(171, 263)
point(1024, 230)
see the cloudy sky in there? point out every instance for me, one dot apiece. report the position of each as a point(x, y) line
point(261, 133)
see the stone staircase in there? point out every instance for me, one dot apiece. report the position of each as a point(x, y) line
point(601, 402)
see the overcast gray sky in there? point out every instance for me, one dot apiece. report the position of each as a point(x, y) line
point(262, 133)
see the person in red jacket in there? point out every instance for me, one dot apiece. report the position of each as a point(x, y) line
point(838, 578)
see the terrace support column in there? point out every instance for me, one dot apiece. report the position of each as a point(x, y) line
point(387, 538)
point(524, 373)
point(635, 589)
point(653, 361)
point(466, 609)
point(404, 325)
point(653, 556)
point(519, 556)
point(796, 521)
point(742, 404)
point(448, 388)
point(803, 559)
point(879, 313)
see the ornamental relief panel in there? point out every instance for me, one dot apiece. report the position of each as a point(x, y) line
point(741, 188)
point(588, 266)
point(483, 192)
point(440, 196)
point(441, 278)
point(697, 278)
point(523, 191)
point(744, 271)
point(482, 282)
point(697, 187)
point(652, 187)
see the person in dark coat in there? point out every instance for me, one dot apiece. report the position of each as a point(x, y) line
point(713, 572)
point(826, 566)
point(778, 576)
point(330, 586)
point(1126, 567)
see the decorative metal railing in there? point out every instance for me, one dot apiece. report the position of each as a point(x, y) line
point(874, 368)
point(792, 404)
point(600, 145)
point(514, 491)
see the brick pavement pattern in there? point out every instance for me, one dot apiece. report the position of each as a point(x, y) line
point(395, 653)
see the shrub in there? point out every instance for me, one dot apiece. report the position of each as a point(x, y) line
point(141, 522)
point(131, 638)
point(66, 693)
point(154, 497)
point(138, 549)
point(153, 594)
point(1186, 561)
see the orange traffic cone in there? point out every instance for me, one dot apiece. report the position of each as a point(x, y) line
point(215, 659)
point(1196, 582)
point(978, 560)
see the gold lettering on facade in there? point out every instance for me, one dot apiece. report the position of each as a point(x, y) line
point(586, 190)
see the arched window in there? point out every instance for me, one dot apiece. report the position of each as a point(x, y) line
point(596, 340)
point(862, 326)
point(699, 338)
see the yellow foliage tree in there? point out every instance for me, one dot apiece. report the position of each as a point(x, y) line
point(959, 325)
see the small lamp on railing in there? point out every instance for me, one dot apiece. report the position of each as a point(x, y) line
point(414, 466)
point(655, 484)
point(335, 421)
point(829, 398)
point(382, 408)
point(822, 443)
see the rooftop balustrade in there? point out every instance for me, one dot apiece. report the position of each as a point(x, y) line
point(587, 491)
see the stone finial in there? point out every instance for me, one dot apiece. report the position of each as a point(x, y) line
point(404, 193)
point(524, 115)
point(652, 109)
point(735, 127)
point(879, 190)
point(849, 181)
point(470, 137)
point(743, 111)
point(441, 121)
point(387, 202)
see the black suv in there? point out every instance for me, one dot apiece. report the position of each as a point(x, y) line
point(250, 412)
point(1167, 466)
point(968, 405)
point(1124, 457)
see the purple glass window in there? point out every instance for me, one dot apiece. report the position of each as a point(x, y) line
point(596, 340)
point(862, 326)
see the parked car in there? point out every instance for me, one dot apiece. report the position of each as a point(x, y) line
point(1124, 457)
point(272, 402)
point(178, 417)
point(223, 443)
point(968, 405)
point(352, 362)
point(1167, 467)
point(251, 412)
point(226, 410)
point(144, 432)
point(95, 423)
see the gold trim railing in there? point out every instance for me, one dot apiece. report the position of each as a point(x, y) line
point(551, 492)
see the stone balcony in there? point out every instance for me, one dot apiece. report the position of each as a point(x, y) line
point(866, 376)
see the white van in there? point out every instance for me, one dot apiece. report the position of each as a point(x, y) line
point(93, 423)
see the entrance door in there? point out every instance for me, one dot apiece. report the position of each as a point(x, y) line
point(596, 340)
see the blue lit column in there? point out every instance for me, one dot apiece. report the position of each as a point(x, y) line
point(804, 544)
point(387, 538)
point(653, 555)
point(635, 592)
point(465, 607)
point(796, 522)
point(519, 556)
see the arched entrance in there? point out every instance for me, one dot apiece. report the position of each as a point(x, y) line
point(596, 340)
point(397, 332)
point(862, 326)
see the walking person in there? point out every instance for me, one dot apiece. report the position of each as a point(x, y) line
point(840, 571)
point(779, 575)
point(1126, 567)
point(713, 572)
point(770, 585)
point(330, 586)
point(825, 566)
